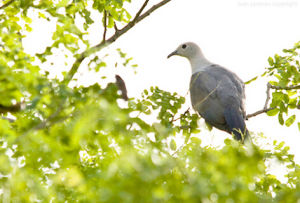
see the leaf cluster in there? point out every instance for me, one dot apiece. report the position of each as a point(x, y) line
point(85, 144)
point(286, 72)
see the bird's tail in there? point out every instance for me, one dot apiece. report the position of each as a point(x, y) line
point(236, 124)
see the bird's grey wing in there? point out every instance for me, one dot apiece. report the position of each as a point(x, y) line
point(230, 95)
point(203, 89)
point(234, 81)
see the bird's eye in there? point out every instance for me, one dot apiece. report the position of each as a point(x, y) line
point(183, 46)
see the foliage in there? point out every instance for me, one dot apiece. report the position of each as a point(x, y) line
point(286, 71)
point(86, 144)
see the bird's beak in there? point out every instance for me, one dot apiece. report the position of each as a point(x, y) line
point(172, 54)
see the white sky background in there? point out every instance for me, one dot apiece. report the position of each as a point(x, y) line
point(237, 34)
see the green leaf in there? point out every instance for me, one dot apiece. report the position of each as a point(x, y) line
point(196, 140)
point(280, 118)
point(271, 61)
point(273, 112)
point(251, 80)
point(173, 145)
point(290, 120)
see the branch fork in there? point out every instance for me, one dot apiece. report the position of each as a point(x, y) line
point(118, 32)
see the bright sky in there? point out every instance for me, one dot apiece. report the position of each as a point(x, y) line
point(237, 34)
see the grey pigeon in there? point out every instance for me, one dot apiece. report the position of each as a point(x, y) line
point(217, 94)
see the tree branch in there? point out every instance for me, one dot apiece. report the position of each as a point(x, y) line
point(140, 11)
point(104, 25)
point(269, 87)
point(6, 4)
point(175, 119)
point(292, 87)
point(116, 27)
point(268, 96)
point(113, 38)
point(265, 109)
point(258, 112)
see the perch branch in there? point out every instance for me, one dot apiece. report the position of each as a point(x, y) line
point(269, 87)
point(265, 109)
point(113, 38)
point(259, 112)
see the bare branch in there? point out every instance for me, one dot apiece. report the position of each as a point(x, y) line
point(104, 25)
point(269, 87)
point(153, 8)
point(140, 11)
point(6, 4)
point(112, 39)
point(258, 112)
point(115, 27)
point(292, 87)
point(268, 96)
point(265, 109)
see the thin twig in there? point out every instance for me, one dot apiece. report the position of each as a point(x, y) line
point(112, 39)
point(180, 115)
point(268, 96)
point(153, 8)
point(140, 11)
point(6, 4)
point(292, 87)
point(265, 109)
point(115, 27)
point(104, 25)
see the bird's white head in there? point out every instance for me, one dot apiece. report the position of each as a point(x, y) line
point(193, 53)
point(188, 50)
